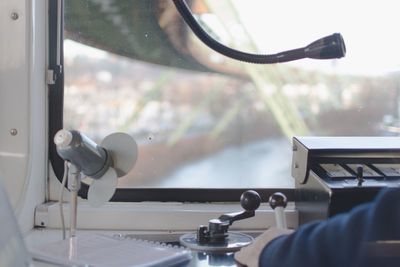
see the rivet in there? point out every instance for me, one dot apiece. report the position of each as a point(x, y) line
point(296, 165)
point(13, 132)
point(14, 15)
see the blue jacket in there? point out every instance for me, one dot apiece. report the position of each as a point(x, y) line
point(341, 240)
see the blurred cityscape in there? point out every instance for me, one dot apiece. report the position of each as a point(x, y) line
point(217, 123)
point(223, 127)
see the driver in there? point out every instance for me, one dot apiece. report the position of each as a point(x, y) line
point(351, 239)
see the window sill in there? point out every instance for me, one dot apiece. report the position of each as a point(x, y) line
point(157, 216)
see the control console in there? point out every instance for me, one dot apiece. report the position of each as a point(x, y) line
point(215, 245)
point(334, 174)
point(215, 237)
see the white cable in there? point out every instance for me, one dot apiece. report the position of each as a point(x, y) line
point(61, 196)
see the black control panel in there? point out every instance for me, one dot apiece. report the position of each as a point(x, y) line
point(335, 174)
point(360, 174)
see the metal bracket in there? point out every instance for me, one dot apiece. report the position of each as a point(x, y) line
point(299, 161)
point(53, 74)
point(42, 215)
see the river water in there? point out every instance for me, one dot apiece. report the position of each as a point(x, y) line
point(260, 164)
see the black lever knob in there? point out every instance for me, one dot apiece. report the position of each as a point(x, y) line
point(250, 200)
point(278, 202)
point(360, 175)
point(277, 199)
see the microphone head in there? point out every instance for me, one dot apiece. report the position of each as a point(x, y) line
point(328, 47)
point(75, 147)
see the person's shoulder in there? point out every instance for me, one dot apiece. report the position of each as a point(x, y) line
point(389, 194)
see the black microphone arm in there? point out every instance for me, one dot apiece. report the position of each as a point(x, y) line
point(328, 47)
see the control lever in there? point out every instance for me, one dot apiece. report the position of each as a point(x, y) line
point(360, 175)
point(216, 237)
point(278, 203)
point(217, 231)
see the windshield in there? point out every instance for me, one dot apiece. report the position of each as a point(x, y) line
point(202, 120)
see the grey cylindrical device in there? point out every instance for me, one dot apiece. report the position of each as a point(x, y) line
point(85, 154)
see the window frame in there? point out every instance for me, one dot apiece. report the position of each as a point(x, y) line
point(56, 108)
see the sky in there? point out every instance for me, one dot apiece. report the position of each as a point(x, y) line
point(370, 30)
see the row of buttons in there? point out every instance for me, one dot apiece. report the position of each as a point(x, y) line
point(375, 171)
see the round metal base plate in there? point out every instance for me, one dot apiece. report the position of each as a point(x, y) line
point(235, 242)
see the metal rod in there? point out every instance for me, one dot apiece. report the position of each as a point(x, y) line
point(280, 218)
point(74, 184)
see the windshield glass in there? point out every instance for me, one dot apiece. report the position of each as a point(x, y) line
point(202, 120)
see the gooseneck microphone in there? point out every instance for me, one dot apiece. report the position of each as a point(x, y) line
point(328, 47)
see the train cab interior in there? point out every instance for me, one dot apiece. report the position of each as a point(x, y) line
point(189, 127)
